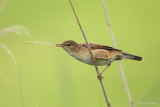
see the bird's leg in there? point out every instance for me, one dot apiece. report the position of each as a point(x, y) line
point(100, 74)
point(105, 69)
point(93, 58)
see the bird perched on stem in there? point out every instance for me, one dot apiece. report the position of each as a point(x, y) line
point(104, 55)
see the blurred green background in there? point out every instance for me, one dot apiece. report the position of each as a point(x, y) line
point(51, 78)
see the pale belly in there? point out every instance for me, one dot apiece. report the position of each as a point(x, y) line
point(103, 62)
point(87, 60)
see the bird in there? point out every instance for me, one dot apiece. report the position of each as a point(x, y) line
point(103, 55)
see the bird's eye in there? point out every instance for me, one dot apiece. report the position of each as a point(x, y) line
point(68, 44)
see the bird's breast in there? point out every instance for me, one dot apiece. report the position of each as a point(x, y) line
point(83, 56)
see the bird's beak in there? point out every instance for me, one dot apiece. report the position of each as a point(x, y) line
point(59, 45)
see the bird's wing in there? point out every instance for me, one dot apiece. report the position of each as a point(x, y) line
point(98, 46)
point(101, 54)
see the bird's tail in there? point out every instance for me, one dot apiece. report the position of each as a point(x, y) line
point(133, 57)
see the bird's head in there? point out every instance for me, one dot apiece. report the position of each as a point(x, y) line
point(69, 46)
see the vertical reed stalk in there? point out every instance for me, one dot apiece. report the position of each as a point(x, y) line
point(89, 49)
point(119, 63)
point(20, 88)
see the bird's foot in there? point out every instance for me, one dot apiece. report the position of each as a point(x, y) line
point(93, 58)
point(100, 77)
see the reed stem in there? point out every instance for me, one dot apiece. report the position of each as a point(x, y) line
point(89, 49)
point(119, 63)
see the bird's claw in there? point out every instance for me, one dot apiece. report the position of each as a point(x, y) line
point(93, 58)
point(99, 77)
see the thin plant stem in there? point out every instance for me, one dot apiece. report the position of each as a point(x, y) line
point(119, 63)
point(39, 42)
point(92, 57)
point(20, 88)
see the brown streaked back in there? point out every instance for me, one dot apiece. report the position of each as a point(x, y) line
point(98, 46)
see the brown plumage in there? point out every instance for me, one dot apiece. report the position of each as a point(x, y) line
point(112, 50)
point(104, 55)
point(99, 46)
